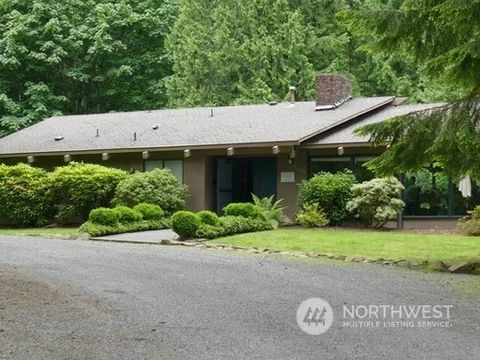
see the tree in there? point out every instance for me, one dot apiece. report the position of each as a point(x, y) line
point(443, 36)
point(77, 57)
point(236, 52)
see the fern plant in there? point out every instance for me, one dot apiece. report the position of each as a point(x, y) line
point(269, 210)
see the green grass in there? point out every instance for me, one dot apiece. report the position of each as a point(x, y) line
point(375, 244)
point(55, 232)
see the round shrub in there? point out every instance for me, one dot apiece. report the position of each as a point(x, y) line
point(127, 215)
point(331, 192)
point(246, 210)
point(208, 218)
point(83, 187)
point(149, 211)
point(104, 216)
point(312, 216)
point(185, 223)
point(159, 187)
point(24, 196)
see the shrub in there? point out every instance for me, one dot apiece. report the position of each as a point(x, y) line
point(149, 211)
point(246, 210)
point(208, 218)
point(95, 230)
point(104, 216)
point(84, 187)
point(238, 224)
point(312, 216)
point(376, 201)
point(127, 215)
point(330, 191)
point(159, 187)
point(206, 231)
point(269, 210)
point(185, 223)
point(471, 225)
point(24, 196)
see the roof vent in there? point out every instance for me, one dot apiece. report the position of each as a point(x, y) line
point(332, 91)
point(155, 127)
point(58, 138)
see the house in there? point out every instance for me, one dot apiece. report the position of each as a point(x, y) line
point(225, 154)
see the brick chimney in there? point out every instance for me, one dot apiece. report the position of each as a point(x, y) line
point(332, 91)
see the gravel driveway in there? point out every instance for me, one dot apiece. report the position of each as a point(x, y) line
point(93, 300)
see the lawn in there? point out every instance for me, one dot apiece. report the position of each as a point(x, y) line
point(376, 244)
point(55, 232)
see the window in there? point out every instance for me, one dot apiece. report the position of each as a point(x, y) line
point(338, 163)
point(176, 166)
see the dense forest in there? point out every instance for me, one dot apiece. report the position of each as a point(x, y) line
point(90, 56)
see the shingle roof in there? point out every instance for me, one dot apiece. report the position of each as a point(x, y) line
point(195, 127)
point(344, 134)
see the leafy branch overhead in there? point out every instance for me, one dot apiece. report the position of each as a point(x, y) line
point(443, 36)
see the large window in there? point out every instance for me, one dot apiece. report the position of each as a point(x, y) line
point(176, 166)
point(338, 163)
point(428, 192)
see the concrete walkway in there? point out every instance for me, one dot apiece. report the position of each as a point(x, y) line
point(142, 237)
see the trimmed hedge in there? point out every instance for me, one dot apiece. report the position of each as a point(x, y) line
point(246, 210)
point(95, 230)
point(208, 218)
point(104, 216)
point(231, 225)
point(127, 215)
point(185, 223)
point(149, 211)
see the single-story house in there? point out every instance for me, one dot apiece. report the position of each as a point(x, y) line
point(224, 154)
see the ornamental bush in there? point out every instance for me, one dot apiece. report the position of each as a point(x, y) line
point(149, 211)
point(159, 187)
point(206, 231)
point(268, 209)
point(238, 224)
point(83, 187)
point(312, 216)
point(470, 225)
point(185, 223)
point(104, 216)
point(24, 196)
point(246, 210)
point(331, 192)
point(376, 201)
point(208, 218)
point(127, 215)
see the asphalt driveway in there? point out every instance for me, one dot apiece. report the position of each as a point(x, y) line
point(95, 300)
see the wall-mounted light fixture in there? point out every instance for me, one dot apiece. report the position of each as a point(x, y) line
point(145, 155)
point(67, 158)
point(105, 156)
point(276, 150)
point(187, 153)
point(231, 151)
point(31, 159)
point(340, 150)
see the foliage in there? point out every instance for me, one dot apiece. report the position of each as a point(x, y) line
point(104, 216)
point(207, 231)
point(311, 216)
point(269, 210)
point(208, 218)
point(149, 211)
point(238, 224)
point(24, 196)
point(84, 187)
point(185, 223)
point(471, 225)
point(438, 34)
point(330, 192)
point(159, 187)
point(376, 201)
point(77, 57)
point(246, 210)
point(127, 215)
point(95, 230)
